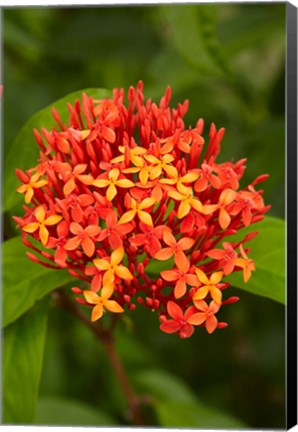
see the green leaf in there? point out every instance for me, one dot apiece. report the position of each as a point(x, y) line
point(268, 253)
point(24, 151)
point(177, 406)
point(25, 282)
point(191, 30)
point(68, 412)
point(24, 342)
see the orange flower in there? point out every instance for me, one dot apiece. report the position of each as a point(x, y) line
point(226, 197)
point(180, 182)
point(29, 187)
point(175, 248)
point(188, 201)
point(160, 165)
point(206, 316)
point(111, 265)
point(179, 322)
point(226, 256)
point(247, 264)
point(112, 181)
point(181, 275)
point(209, 286)
point(103, 301)
point(138, 209)
point(83, 237)
point(41, 223)
point(70, 176)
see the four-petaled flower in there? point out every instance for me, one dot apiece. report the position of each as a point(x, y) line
point(103, 301)
point(137, 208)
point(205, 316)
point(150, 237)
point(41, 224)
point(246, 263)
point(181, 275)
point(83, 237)
point(114, 231)
point(112, 180)
point(209, 286)
point(180, 321)
point(227, 257)
point(175, 248)
point(33, 183)
point(111, 265)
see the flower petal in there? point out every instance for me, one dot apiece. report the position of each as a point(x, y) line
point(73, 243)
point(216, 294)
point(52, 220)
point(216, 277)
point(145, 217)
point(101, 264)
point(31, 227)
point(224, 218)
point(197, 318)
point(185, 243)
point(202, 277)
point(91, 297)
point(174, 310)
point(127, 217)
point(164, 254)
point(97, 312)
point(113, 306)
point(88, 246)
point(201, 293)
point(170, 275)
point(124, 183)
point(40, 213)
point(170, 326)
point(180, 288)
point(43, 234)
point(183, 210)
point(111, 192)
point(123, 273)
point(117, 256)
point(211, 324)
point(101, 183)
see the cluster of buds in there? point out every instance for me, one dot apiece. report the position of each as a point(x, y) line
point(126, 186)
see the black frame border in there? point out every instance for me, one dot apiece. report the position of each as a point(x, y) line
point(291, 211)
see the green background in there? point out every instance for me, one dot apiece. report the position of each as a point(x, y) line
point(229, 61)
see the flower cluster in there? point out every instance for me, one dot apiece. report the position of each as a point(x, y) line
point(124, 188)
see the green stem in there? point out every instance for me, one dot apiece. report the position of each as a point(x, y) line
point(107, 339)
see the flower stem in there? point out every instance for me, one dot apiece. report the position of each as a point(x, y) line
point(107, 339)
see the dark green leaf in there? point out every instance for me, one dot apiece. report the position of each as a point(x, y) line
point(24, 342)
point(188, 27)
point(24, 151)
point(25, 282)
point(177, 406)
point(268, 253)
point(66, 412)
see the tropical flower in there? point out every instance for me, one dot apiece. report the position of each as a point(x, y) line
point(135, 204)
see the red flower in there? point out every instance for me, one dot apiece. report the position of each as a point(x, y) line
point(180, 322)
point(84, 237)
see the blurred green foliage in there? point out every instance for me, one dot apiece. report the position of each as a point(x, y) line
point(229, 61)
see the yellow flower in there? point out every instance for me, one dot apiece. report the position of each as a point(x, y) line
point(112, 181)
point(41, 224)
point(103, 301)
point(29, 187)
point(209, 286)
point(112, 266)
point(138, 209)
